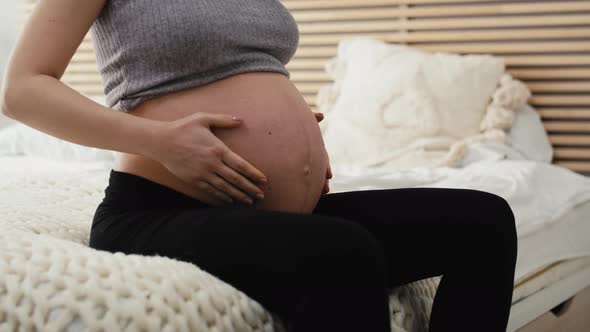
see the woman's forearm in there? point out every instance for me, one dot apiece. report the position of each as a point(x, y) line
point(48, 105)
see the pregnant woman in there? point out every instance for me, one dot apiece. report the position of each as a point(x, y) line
point(247, 200)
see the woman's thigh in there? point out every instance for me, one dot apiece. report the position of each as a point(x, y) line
point(272, 256)
point(426, 231)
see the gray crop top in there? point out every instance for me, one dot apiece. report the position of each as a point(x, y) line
point(146, 48)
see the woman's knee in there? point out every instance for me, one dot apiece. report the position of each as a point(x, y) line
point(497, 224)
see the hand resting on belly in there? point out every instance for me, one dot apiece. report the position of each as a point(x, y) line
point(278, 137)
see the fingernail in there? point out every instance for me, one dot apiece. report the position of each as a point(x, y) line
point(248, 200)
point(235, 118)
point(264, 179)
point(259, 195)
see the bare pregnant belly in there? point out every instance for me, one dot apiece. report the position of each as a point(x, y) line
point(279, 135)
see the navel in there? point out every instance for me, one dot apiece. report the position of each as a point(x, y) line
point(306, 170)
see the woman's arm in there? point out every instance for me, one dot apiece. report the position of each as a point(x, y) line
point(33, 94)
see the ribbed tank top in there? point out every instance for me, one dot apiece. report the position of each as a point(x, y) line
point(147, 48)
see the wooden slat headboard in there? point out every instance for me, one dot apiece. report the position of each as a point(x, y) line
point(546, 44)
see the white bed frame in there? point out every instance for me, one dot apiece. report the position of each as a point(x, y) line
point(549, 297)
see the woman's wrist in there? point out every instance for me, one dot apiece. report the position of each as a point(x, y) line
point(150, 139)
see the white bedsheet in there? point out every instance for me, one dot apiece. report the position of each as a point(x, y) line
point(538, 193)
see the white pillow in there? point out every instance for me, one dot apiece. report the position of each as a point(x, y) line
point(455, 87)
point(387, 96)
point(20, 139)
point(529, 137)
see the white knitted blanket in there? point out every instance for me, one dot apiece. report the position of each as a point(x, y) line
point(51, 280)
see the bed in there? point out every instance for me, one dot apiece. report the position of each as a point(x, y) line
point(54, 200)
point(46, 205)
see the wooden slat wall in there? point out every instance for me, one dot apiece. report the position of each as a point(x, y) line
point(545, 43)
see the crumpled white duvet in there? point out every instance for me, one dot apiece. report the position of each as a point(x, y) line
point(538, 193)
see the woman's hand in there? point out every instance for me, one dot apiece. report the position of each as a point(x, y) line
point(319, 117)
point(328, 176)
point(188, 149)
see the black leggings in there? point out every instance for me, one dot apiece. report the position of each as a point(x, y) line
point(331, 270)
